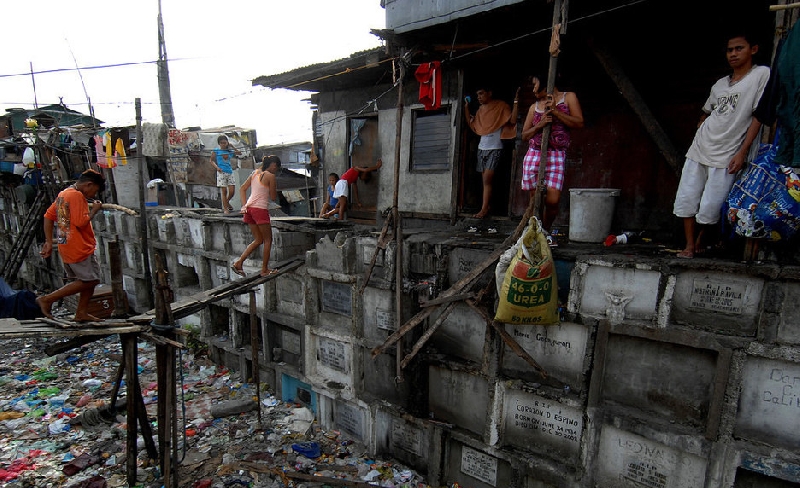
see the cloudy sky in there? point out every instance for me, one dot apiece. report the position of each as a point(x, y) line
point(215, 50)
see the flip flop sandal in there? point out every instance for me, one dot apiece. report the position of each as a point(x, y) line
point(238, 271)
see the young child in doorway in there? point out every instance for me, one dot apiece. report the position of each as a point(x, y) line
point(342, 189)
point(331, 202)
point(221, 160)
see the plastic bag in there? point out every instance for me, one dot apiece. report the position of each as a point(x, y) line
point(529, 293)
point(763, 202)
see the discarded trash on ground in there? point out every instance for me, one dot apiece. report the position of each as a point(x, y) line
point(58, 429)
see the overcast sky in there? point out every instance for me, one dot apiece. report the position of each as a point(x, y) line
point(215, 50)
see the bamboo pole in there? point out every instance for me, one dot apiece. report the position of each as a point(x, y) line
point(541, 190)
point(398, 229)
point(775, 8)
point(142, 209)
point(129, 357)
point(254, 349)
point(117, 290)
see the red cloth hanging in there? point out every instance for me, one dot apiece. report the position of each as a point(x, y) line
point(429, 76)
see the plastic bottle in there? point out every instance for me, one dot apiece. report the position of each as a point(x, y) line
point(624, 238)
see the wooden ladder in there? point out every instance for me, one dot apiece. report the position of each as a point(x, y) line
point(19, 251)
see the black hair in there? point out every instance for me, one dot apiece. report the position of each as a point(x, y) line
point(93, 176)
point(221, 137)
point(744, 32)
point(334, 175)
point(267, 161)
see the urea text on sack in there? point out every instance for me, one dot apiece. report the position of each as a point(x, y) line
point(529, 293)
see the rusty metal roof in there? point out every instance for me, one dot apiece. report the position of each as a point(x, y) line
point(360, 69)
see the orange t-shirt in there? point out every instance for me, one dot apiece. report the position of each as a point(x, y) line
point(73, 228)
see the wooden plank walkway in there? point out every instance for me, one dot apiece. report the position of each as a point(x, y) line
point(13, 328)
point(43, 327)
point(189, 305)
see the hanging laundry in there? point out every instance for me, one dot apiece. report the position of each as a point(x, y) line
point(177, 141)
point(429, 76)
point(120, 144)
point(102, 143)
point(119, 152)
point(154, 140)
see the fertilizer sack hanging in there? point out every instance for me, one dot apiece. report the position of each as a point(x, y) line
point(529, 293)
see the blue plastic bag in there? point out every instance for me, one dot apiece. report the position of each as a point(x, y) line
point(763, 202)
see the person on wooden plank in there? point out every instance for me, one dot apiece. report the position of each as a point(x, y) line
point(724, 135)
point(69, 220)
point(255, 210)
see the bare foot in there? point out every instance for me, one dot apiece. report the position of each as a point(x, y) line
point(45, 306)
point(269, 272)
point(480, 214)
point(686, 254)
point(86, 317)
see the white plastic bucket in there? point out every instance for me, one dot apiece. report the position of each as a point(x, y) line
point(590, 213)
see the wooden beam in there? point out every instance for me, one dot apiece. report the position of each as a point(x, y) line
point(442, 300)
point(510, 342)
point(775, 8)
point(613, 69)
point(65, 346)
point(199, 301)
point(464, 282)
point(383, 240)
point(427, 335)
point(129, 357)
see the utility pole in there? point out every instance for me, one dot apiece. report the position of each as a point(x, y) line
point(164, 94)
point(33, 80)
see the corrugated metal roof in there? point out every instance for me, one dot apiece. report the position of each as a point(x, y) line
point(361, 68)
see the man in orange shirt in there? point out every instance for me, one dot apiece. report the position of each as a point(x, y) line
point(71, 217)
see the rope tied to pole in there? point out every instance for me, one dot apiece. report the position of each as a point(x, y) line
point(555, 40)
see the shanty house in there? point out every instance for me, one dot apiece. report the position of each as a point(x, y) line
point(641, 70)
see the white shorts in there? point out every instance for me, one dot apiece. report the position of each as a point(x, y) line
point(225, 179)
point(702, 191)
point(342, 189)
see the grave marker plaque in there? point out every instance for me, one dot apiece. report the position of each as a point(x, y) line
point(406, 437)
point(385, 320)
point(717, 296)
point(629, 460)
point(290, 342)
point(332, 354)
point(337, 298)
point(478, 465)
point(530, 418)
point(350, 419)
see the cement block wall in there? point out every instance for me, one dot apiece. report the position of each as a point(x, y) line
point(662, 373)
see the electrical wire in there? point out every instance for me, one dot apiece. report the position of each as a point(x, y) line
point(102, 66)
point(545, 29)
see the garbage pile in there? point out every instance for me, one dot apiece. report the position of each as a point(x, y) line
point(58, 429)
